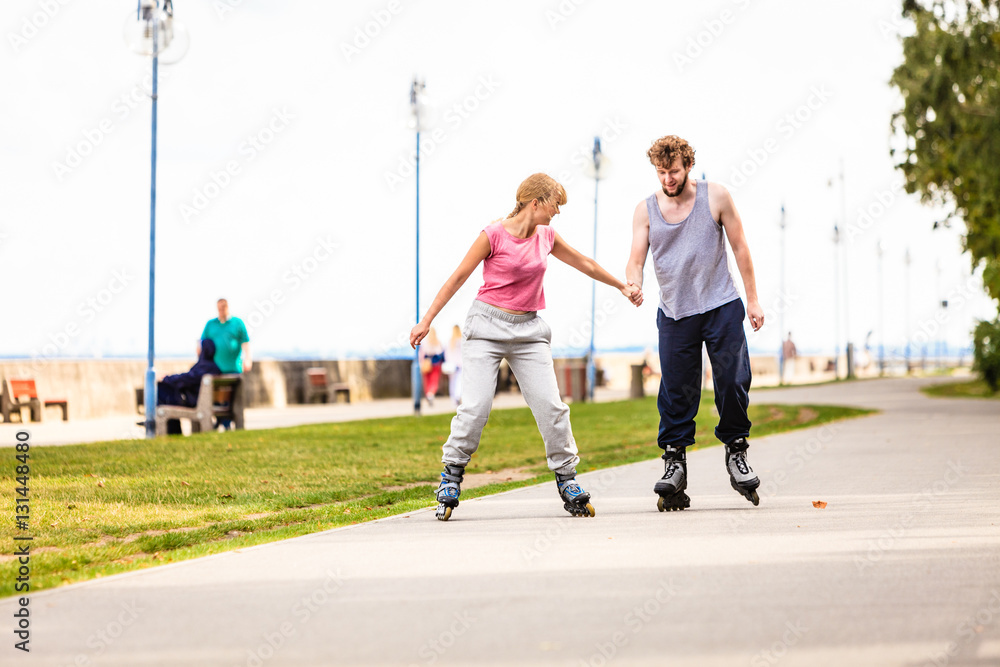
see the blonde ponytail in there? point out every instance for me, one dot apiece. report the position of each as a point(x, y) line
point(539, 186)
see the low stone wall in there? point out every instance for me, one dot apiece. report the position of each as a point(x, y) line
point(98, 388)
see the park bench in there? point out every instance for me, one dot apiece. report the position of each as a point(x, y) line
point(20, 393)
point(318, 385)
point(218, 396)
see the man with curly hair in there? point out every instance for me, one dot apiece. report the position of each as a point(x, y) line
point(684, 223)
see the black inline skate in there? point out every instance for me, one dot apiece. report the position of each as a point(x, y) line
point(672, 485)
point(741, 475)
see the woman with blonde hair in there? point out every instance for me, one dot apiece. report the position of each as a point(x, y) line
point(503, 323)
point(431, 361)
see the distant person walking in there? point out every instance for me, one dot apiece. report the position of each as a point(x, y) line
point(685, 223)
point(503, 323)
point(431, 360)
point(232, 342)
point(453, 365)
point(788, 355)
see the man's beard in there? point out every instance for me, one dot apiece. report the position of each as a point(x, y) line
point(679, 190)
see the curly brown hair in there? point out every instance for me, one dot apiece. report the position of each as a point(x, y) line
point(666, 149)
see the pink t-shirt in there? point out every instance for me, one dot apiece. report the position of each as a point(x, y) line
point(514, 269)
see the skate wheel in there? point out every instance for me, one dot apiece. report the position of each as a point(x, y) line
point(754, 498)
point(590, 510)
point(445, 515)
point(659, 504)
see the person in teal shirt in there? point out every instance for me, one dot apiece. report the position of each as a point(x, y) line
point(232, 342)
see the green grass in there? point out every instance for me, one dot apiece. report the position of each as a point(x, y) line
point(103, 508)
point(967, 389)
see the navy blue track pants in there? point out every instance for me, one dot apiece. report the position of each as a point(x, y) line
point(721, 330)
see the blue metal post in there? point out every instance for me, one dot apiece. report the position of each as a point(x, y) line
point(150, 389)
point(416, 374)
point(591, 367)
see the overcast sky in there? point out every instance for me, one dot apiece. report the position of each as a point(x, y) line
point(285, 165)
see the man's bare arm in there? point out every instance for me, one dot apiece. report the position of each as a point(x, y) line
point(733, 224)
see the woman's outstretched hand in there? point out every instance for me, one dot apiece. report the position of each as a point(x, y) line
point(417, 334)
point(633, 293)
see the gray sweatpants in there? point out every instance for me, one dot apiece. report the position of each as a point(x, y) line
point(490, 335)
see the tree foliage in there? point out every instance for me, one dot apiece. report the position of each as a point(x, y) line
point(950, 83)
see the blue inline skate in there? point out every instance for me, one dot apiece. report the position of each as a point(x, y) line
point(449, 491)
point(576, 500)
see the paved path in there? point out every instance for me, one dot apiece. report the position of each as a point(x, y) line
point(901, 566)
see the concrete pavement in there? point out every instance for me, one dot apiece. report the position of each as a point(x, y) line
point(902, 567)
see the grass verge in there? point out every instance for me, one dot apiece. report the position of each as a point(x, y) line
point(104, 508)
point(967, 389)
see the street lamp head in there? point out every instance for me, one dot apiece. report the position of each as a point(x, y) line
point(420, 108)
point(151, 30)
point(598, 166)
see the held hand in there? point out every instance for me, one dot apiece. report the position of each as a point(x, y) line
point(756, 315)
point(417, 334)
point(633, 293)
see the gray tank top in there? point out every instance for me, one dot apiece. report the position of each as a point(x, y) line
point(689, 258)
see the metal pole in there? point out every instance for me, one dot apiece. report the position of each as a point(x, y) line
point(906, 306)
point(881, 315)
point(591, 367)
point(836, 301)
point(417, 375)
point(847, 282)
point(781, 311)
point(150, 388)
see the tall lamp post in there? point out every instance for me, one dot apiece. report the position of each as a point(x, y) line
point(880, 251)
point(596, 168)
point(781, 312)
point(907, 260)
point(418, 109)
point(847, 282)
point(152, 31)
point(836, 301)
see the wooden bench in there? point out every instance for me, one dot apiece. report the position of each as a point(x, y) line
point(319, 386)
point(218, 396)
point(20, 393)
